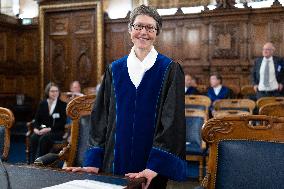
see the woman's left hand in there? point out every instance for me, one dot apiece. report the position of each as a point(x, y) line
point(147, 173)
point(45, 130)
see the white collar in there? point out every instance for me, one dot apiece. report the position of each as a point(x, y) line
point(217, 89)
point(270, 58)
point(137, 68)
point(52, 106)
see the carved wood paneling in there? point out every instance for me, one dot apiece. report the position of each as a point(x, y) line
point(3, 45)
point(18, 61)
point(226, 41)
point(70, 39)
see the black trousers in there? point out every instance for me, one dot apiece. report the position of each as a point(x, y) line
point(159, 182)
point(42, 144)
point(260, 94)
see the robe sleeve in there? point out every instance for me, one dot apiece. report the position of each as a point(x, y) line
point(167, 156)
point(99, 117)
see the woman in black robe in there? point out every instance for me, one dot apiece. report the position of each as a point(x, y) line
point(138, 126)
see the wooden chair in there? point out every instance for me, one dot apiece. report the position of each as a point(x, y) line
point(234, 104)
point(272, 109)
point(247, 91)
point(235, 89)
point(243, 155)
point(90, 90)
point(6, 122)
point(79, 110)
point(202, 89)
point(224, 113)
point(266, 100)
point(199, 102)
point(195, 147)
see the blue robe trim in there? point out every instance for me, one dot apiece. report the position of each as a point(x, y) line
point(168, 165)
point(136, 114)
point(94, 157)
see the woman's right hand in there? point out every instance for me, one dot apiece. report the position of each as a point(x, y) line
point(36, 131)
point(82, 169)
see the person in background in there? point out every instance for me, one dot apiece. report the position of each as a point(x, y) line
point(217, 91)
point(75, 89)
point(139, 112)
point(49, 122)
point(190, 85)
point(268, 73)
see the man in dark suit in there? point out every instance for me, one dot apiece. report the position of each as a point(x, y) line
point(190, 88)
point(268, 73)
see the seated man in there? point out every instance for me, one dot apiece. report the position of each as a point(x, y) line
point(217, 90)
point(190, 85)
point(75, 89)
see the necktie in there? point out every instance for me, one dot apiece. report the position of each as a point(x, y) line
point(266, 74)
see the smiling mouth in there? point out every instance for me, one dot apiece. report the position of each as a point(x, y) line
point(141, 38)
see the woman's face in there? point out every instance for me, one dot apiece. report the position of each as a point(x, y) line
point(143, 32)
point(53, 93)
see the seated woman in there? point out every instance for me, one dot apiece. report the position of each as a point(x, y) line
point(49, 122)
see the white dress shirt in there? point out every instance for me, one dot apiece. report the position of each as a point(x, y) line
point(273, 84)
point(52, 106)
point(217, 89)
point(137, 68)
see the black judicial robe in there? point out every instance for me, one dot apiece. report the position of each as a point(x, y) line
point(134, 129)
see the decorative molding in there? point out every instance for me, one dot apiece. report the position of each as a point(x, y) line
point(76, 106)
point(225, 4)
point(7, 120)
point(214, 126)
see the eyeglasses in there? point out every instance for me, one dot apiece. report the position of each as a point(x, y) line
point(54, 91)
point(267, 49)
point(148, 28)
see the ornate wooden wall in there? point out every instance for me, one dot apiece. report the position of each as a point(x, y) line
point(226, 40)
point(19, 60)
point(71, 42)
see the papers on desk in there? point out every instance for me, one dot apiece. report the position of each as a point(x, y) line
point(85, 184)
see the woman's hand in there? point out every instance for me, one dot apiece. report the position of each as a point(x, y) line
point(36, 131)
point(44, 131)
point(82, 169)
point(147, 173)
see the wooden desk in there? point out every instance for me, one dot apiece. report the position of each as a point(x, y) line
point(23, 177)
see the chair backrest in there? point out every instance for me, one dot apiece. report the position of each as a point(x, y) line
point(235, 89)
point(194, 121)
point(202, 89)
point(224, 113)
point(89, 90)
point(266, 100)
point(234, 104)
point(247, 91)
point(243, 155)
point(272, 109)
point(79, 110)
point(199, 102)
point(6, 122)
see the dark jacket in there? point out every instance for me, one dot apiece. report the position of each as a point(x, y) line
point(191, 91)
point(42, 116)
point(278, 66)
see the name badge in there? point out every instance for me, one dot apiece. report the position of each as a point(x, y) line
point(56, 115)
point(279, 68)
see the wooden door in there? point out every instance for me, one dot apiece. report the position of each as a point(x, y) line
point(70, 50)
